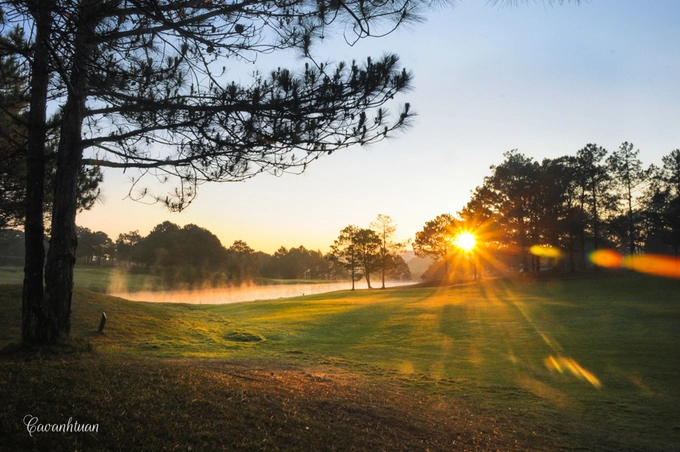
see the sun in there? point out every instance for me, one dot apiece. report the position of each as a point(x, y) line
point(465, 241)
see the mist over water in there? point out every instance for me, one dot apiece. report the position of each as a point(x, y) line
point(244, 293)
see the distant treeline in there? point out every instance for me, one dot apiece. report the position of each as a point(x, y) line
point(186, 256)
point(531, 215)
point(193, 255)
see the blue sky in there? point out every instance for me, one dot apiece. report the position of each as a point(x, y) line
point(545, 80)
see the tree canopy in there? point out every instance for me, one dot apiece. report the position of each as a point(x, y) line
point(528, 215)
point(144, 84)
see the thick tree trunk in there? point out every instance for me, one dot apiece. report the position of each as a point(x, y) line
point(32, 312)
point(61, 256)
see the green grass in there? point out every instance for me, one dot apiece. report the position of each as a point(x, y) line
point(97, 279)
point(11, 275)
point(577, 364)
point(107, 279)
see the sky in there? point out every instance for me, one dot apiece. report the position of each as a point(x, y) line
point(545, 80)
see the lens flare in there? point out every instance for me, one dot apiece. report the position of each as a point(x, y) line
point(465, 241)
point(653, 264)
point(545, 251)
point(606, 258)
point(563, 364)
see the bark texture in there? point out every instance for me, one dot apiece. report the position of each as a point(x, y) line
point(61, 256)
point(32, 310)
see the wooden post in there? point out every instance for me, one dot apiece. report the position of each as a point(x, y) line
point(102, 322)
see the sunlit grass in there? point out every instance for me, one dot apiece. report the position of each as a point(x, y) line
point(594, 361)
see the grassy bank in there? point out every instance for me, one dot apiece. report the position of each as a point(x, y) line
point(111, 279)
point(577, 364)
point(97, 279)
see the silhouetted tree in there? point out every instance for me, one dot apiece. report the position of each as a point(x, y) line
point(12, 141)
point(627, 177)
point(573, 216)
point(156, 248)
point(201, 251)
point(142, 84)
point(126, 244)
point(95, 246)
point(662, 206)
point(242, 263)
point(368, 245)
point(28, 145)
point(553, 208)
point(183, 256)
point(389, 249)
point(435, 239)
point(39, 317)
point(295, 263)
point(510, 194)
point(345, 251)
point(593, 179)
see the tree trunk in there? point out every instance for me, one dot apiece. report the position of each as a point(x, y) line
point(384, 253)
point(353, 269)
point(596, 222)
point(631, 226)
point(32, 312)
point(582, 230)
point(367, 271)
point(384, 256)
point(61, 256)
point(523, 245)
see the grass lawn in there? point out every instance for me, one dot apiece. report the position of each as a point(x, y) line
point(557, 364)
point(95, 278)
point(112, 279)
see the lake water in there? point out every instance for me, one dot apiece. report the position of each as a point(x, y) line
point(243, 293)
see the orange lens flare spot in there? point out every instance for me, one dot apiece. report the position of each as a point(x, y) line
point(654, 264)
point(606, 258)
point(545, 251)
point(465, 241)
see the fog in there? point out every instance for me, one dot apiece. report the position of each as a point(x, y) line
point(243, 293)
